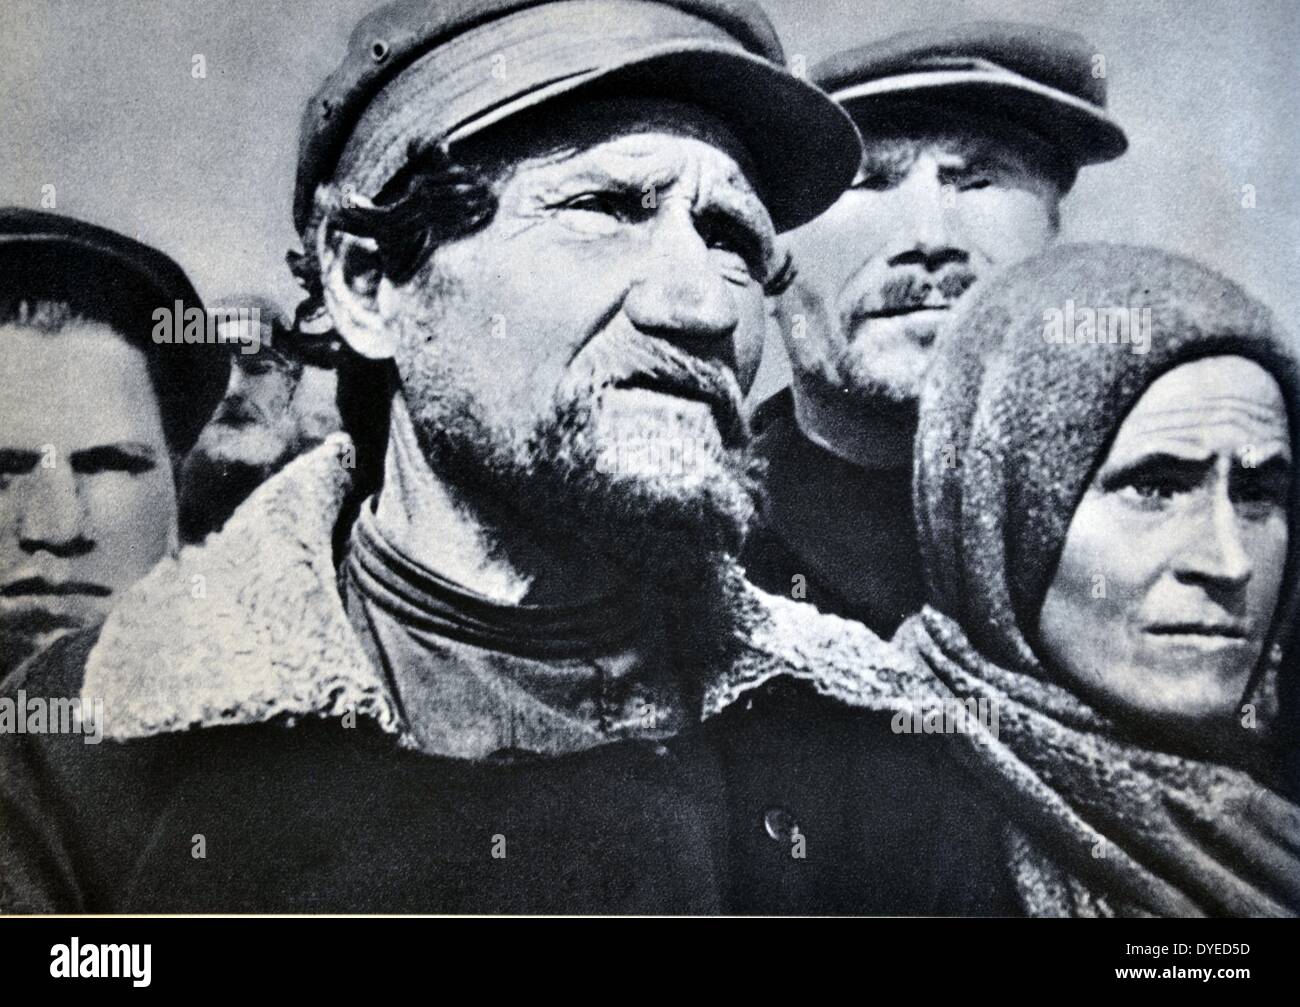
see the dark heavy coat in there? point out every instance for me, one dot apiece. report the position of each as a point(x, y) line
point(319, 817)
point(244, 722)
point(834, 534)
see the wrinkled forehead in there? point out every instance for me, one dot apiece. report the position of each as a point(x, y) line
point(577, 133)
point(1224, 400)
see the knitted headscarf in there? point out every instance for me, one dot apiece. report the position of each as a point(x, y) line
point(1013, 427)
point(1014, 423)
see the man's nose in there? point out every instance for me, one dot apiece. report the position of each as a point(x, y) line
point(926, 235)
point(54, 516)
point(1215, 553)
point(680, 295)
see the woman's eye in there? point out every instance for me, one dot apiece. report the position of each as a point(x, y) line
point(976, 183)
point(1149, 489)
point(1261, 491)
point(1153, 489)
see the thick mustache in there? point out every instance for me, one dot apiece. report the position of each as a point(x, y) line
point(628, 362)
point(910, 292)
point(237, 413)
point(40, 586)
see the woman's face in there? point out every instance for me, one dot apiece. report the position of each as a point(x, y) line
point(1172, 566)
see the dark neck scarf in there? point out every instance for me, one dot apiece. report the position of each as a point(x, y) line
point(473, 678)
point(423, 600)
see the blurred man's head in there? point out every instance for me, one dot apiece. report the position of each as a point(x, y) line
point(972, 136)
point(94, 418)
point(279, 403)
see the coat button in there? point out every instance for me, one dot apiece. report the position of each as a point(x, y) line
point(780, 824)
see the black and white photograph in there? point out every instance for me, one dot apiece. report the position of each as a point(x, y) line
point(625, 458)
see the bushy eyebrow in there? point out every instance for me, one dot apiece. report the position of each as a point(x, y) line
point(889, 160)
point(1112, 476)
point(984, 161)
point(15, 461)
point(1276, 465)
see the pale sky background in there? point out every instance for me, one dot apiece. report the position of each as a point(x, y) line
point(97, 98)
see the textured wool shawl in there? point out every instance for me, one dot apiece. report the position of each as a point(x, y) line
point(1106, 818)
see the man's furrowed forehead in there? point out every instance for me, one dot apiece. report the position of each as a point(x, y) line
point(629, 132)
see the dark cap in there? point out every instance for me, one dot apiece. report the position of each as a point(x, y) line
point(31, 231)
point(1032, 75)
point(252, 309)
point(420, 68)
point(112, 278)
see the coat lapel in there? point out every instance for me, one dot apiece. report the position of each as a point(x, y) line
point(248, 626)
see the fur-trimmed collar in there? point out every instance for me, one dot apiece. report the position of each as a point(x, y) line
point(249, 626)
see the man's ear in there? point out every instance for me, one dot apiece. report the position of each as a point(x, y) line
point(351, 275)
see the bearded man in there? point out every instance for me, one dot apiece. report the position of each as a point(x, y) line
point(486, 652)
point(281, 402)
point(973, 134)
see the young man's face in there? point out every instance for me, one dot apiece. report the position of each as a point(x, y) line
point(932, 213)
point(87, 500)
point(589, 349)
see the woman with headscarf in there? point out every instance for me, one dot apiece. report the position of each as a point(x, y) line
point(1105, 492)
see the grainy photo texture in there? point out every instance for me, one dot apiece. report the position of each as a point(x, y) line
point(649, 457)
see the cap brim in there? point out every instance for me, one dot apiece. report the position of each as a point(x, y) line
point(1083, 131)
point(805, 148)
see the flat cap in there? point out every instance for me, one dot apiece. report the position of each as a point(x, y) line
point(1041, 78)
point(446, 70)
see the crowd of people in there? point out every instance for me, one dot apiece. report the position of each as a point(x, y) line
point(481, 582)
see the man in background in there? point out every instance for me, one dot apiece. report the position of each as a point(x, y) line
point(280, 403)
point(973, 134)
